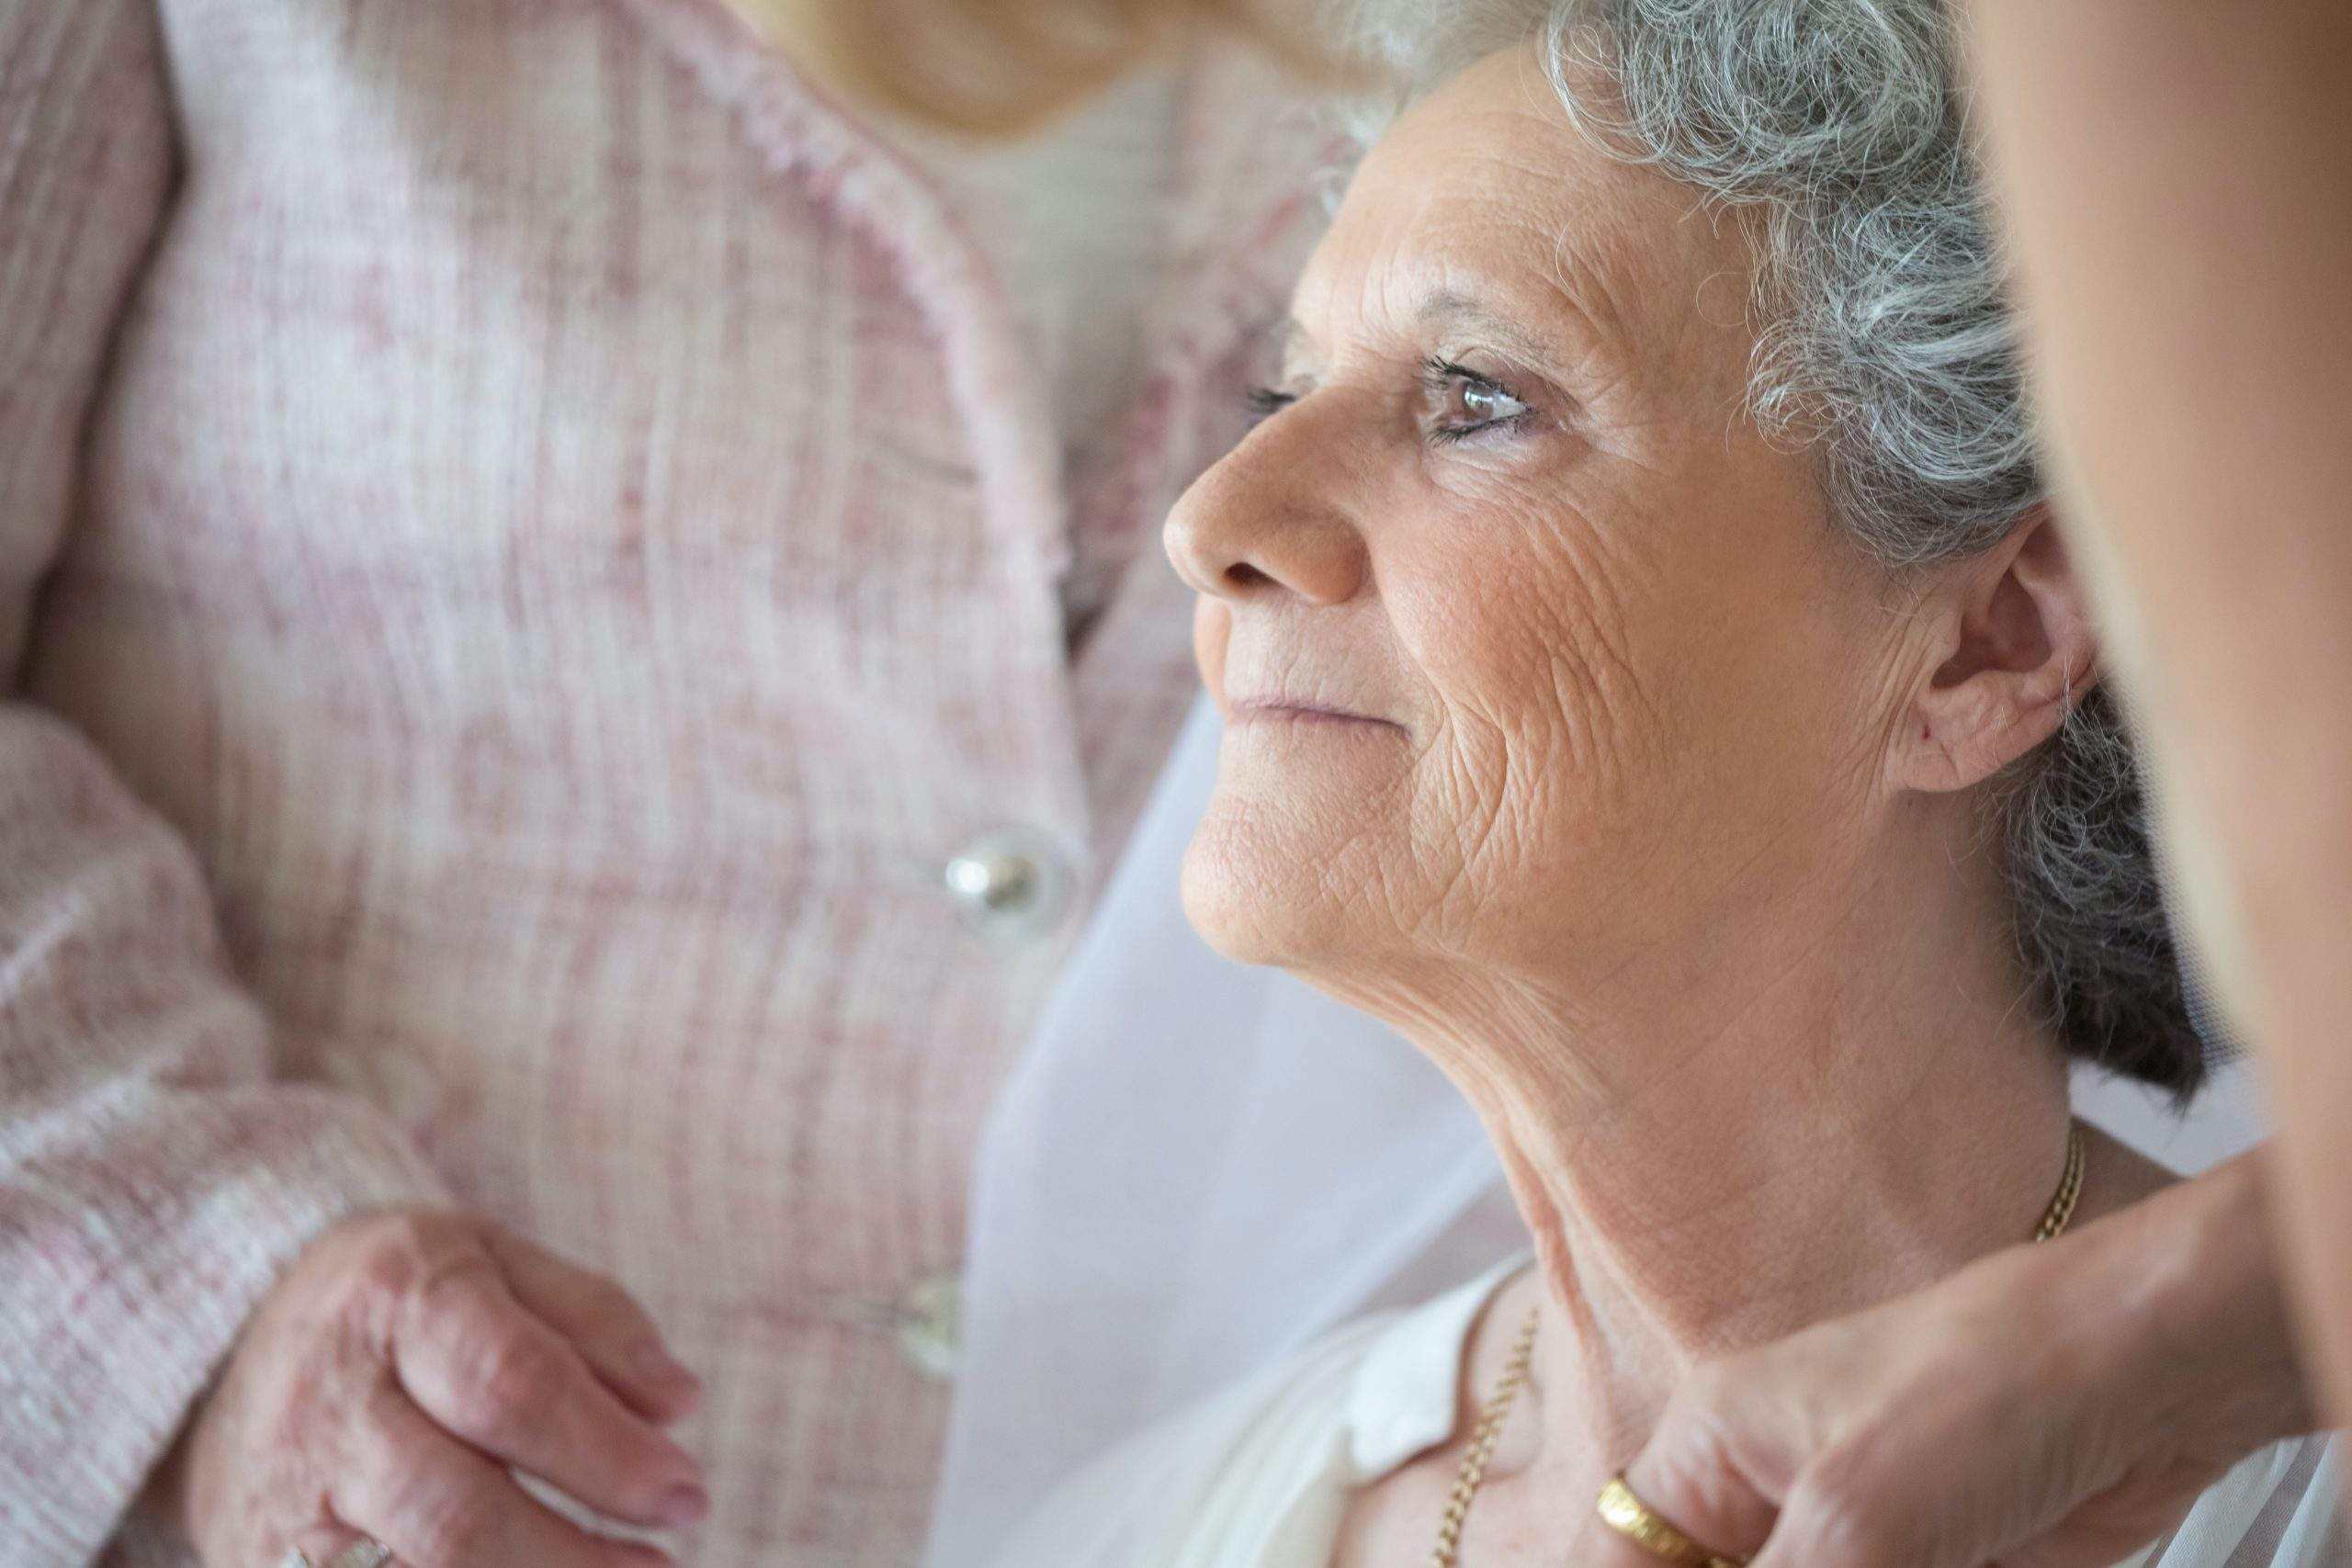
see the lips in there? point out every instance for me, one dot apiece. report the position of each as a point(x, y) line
point(1276, 674)
point(1279, 709)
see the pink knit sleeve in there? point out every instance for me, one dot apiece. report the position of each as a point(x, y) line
point(153, 1179)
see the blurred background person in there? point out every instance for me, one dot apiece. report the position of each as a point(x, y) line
point(2177, 183)
point(583, 622)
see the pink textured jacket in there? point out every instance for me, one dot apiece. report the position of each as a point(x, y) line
point(526, 542)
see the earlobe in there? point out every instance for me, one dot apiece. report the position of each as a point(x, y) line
point(2018, 651)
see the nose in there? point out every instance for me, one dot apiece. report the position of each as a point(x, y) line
point(1269, 522)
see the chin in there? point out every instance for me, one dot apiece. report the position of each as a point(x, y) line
point(1255, 894)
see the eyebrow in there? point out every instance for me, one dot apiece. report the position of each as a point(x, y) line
point(1448, 309)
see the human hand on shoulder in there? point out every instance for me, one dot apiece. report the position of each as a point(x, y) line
point(2055, 1406)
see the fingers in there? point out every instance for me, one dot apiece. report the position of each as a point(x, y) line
point(1689, 1492)
point(495, 1375)
point(1841, 1510)
point(1688, 1475)
point(1859, 1500)
point(1711, 1482)
point(610, 1331)
point(1808, 1533)
point(438, 1504)
point(391, 1380)
point(1847, 1512)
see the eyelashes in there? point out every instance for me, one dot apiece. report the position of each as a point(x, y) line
point(1469, 403)
point(1264, 402)
point(1462, 402)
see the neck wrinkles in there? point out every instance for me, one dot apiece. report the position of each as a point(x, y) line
point(1711, 1161)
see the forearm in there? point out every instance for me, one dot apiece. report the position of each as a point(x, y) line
point(2177, 179)
point(153, 1179)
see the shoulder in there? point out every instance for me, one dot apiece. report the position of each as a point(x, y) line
point(1258, 1473)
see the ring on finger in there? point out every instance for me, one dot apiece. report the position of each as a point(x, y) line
point(1626, 1514)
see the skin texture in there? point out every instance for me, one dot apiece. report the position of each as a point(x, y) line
point(2183, 280)
point(2046, 1407)
point(392, 1377)
point(1586, 750)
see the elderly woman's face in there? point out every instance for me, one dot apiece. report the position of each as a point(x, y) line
point(1535, 649)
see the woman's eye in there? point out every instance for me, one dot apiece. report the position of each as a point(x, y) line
point(1468, 402)
point(1265, 401)
point(1486, 402)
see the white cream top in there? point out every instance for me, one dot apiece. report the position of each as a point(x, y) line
point(1257, 1476)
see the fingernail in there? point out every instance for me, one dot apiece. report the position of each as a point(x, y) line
point(683, 1505)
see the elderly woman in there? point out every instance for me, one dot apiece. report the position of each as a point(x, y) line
point(1655, 686)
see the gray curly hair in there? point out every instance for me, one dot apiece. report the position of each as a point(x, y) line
point(1887, 348)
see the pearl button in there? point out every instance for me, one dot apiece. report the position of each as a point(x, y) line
point(1008, 885)
point(930, 1324)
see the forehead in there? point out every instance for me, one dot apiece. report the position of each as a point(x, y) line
point(1486, 190)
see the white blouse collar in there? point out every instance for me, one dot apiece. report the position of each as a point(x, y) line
point(1404, 1402)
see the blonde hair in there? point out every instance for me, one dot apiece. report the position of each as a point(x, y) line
point(1002, 67)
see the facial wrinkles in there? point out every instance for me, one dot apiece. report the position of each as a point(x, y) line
point(1525, 627)
point(1384, 260)
point(1518, 601)
point(1464, 619)
point(1453, 798)
point(1554, 724)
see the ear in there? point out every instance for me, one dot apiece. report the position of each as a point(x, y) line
point(2017, 654)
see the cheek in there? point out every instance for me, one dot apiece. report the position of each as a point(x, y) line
point(1212, 628)
point(1529, 620)
point(1565, 704)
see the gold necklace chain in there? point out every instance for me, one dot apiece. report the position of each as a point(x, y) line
point(2061, 1213)
point(1473, 1472)
point(1489, 1430)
